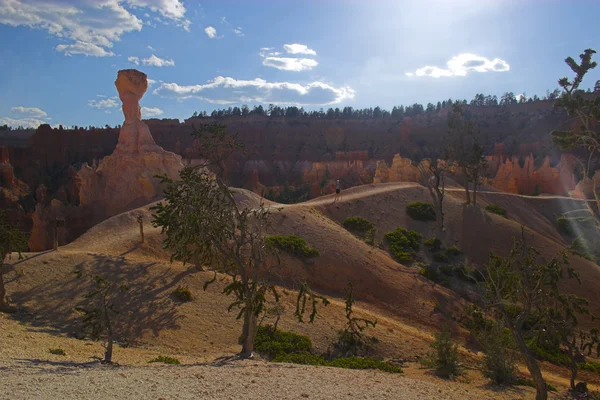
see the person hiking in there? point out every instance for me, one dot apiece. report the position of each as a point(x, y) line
point(338, 190)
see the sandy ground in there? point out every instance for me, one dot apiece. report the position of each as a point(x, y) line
point(35, 379)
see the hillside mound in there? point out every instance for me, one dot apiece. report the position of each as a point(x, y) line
point(50, 289)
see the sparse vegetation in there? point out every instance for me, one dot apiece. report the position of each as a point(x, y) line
point(433, 243)
point(444, 358)
point(205, 226)
point(453, 251)
point(441, 257)
point(293, 245)
point(530, 284)
point(358, 225)
point(495, 209)
point(430, 273)
point(421, 211)
point(404, 244)
point(351, 339)
point(576, 225)
point(11, 239)
point(58, 351)
point(590, 366)
point(500, 355)
point(275, 343)
point(585, 108)
point(165, 360)
point(182, 294)
point(97, 315)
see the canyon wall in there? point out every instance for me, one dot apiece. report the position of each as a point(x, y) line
point(76, 167)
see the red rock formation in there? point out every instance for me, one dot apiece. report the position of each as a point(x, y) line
point(513, 178)
point(126, 179)
point(7, 174)
point(121, 181)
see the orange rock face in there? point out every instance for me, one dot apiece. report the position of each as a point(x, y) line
point(125, 179)
point(121, 181)
point(401, 170)
point(513, 178)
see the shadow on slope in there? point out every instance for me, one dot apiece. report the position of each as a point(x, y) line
point(141, 311)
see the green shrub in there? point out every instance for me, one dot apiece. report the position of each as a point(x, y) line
point(182, 294)
point(444, 359)
point(530, 383)
point(453, 251)
point(555, 356)
point(441, 257)
point(496, 210)
point(293, 245)
point(576, 225)
point(430, 273)
point(370, 236)
point(581, 247)
point(403, 244)
point(343, 362)
point(563, 225)
point(591, 366)
point(58, 352)
point(421, 211)
point(433, 243)
point(358, 224)
point(165, 360)
point(500, 357)
point(273, 344)
point(446, 269)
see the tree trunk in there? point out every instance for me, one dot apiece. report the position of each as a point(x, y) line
point(574, 367)
point(3, 305)
point(532, 365)
point(573, 373)
point(475, 180)
point(109, 339)
point(467, 187)
point(248, 333)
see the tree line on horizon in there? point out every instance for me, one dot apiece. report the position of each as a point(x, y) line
point(397, 112)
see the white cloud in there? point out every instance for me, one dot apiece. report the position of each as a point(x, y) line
point(238, 31)
point(150, 112)
point(150, 47)
point(105, 103)
point(224, 90)
point(151, 82)
point(24, 122)
point(87, 49)
point(92, 25)
point(210, 31)
point(462, 64)
point(135, 60)
point(224, 21)
point(32, 111)
point(522, 96)
point(89, 27)
point(158, 62)
point(296, 48)
point(171, 9)
point(290, 64)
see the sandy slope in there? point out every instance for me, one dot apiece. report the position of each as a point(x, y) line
point(406, 305)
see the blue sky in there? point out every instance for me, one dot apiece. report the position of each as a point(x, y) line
point(59, 58)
